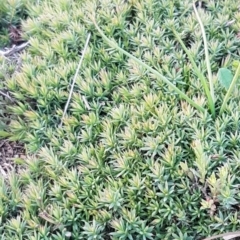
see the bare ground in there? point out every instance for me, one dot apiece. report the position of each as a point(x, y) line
point(8, 152)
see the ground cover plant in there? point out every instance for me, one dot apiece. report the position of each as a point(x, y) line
point(131, 159)
point(11, 14)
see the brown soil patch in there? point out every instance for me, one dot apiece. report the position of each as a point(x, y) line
point(8, 152)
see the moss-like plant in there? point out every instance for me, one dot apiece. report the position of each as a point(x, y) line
point(209, 93)
point(132, 159)
point(11, 14)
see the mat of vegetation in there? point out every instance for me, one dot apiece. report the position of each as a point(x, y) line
point(132, 160)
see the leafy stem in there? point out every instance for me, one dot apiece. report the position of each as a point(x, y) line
point(226, 98)
point(198, 72)
point(159, 75)
point(206, 54)
point(209, 92)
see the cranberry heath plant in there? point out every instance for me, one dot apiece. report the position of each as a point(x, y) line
point(135, 162)
point(224, 75)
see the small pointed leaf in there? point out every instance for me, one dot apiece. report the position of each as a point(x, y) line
point(225, 77)
point(235, 64)
point(4, 134)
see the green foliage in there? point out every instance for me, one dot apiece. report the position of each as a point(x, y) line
point(225, 77)
point(7, 68)
point(224, 74)
point(11, 13)
point(132, 160)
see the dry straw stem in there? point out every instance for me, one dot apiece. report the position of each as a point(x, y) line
point(206, 53)
point(14, 49)
point(6, 95)
point(225, 236)
point(74, 80)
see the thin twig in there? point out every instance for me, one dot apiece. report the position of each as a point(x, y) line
point(4, 174)
point(229, 235)
point(6, 95)
point(74, 79)
point(14, 49)
point(86, 103)
point(204, 190)
point(229, 23)
point(206, 53)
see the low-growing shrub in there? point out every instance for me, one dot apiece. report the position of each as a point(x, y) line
point(12, 12)
point(131, 160)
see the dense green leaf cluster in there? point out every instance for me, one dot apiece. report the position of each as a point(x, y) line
point(132, 160)
point(11, 14)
